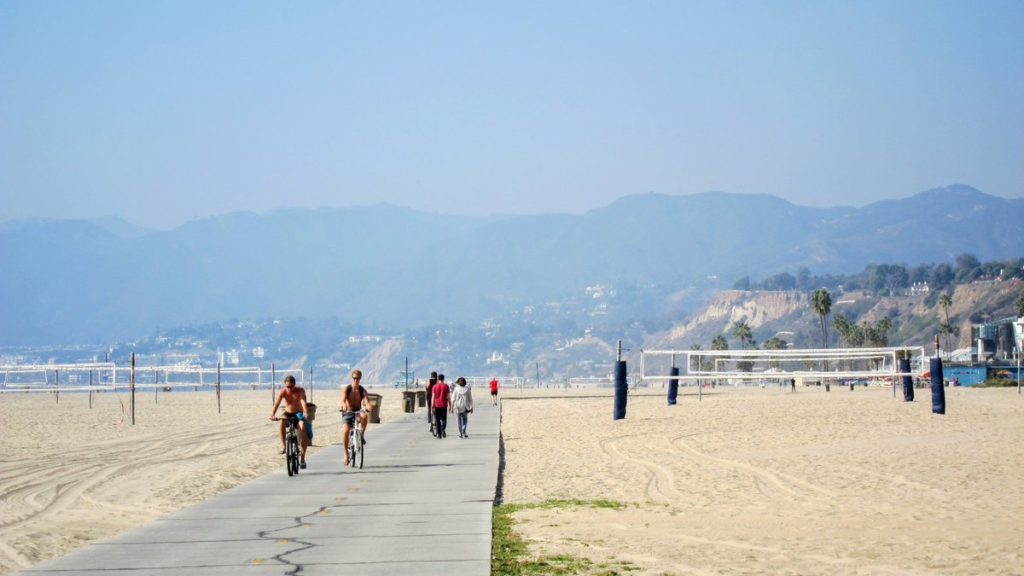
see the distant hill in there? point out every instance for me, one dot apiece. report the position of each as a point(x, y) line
point(391, 267)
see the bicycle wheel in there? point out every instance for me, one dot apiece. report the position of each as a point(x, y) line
point(352, 448)
point(288, 456)
point(359, 448)
point(293, 456)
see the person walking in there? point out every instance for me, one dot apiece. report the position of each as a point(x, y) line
point(430, 400)
point(494, 391)
point(462, 404)
point(441, 402)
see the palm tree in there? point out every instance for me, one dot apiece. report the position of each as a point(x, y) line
point(719, 343)
point(822, 302)
point(775, 343)
point(946, 301)
point(741, 331)
point(844, 327)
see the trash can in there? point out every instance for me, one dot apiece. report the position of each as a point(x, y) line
point(421, 398)
point(312, 411)
point(409, 400)
point(375, 400)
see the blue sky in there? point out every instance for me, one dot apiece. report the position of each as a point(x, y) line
point(160, 112)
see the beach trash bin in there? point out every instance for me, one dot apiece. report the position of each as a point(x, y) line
point(421, 398)
point(312, 411)
point(409, 400)
point(375, 400)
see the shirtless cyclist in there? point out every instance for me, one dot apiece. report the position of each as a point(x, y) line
point(294, 398)
point(354, 397)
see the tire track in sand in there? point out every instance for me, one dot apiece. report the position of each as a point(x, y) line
point(660, 484)
point(59, 484)
point(763, 478)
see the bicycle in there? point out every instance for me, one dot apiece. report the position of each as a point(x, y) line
point(356, 446)
point(291, 445)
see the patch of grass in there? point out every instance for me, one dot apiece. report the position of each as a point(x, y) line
point(574, 503)
point(510, 554)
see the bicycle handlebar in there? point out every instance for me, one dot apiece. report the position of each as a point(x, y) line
point(276, 418)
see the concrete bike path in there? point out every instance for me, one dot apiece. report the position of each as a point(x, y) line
point(420, 505)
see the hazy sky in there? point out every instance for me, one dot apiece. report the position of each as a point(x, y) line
point(160, 112)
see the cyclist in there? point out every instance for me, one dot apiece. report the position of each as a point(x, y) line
point(294, 398)
point(353, 398)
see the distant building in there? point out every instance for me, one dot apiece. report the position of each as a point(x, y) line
point(919, 289)
point(998, 340)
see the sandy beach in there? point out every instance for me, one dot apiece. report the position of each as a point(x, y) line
point(746, 481)
point(70, 474)
point(763, 481)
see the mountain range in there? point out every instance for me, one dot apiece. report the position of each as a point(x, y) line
point(388, 267)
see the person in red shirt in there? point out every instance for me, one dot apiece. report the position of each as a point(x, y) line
point(441, 401)
point(494, 391)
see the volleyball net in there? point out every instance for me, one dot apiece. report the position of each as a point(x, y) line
point(101, 376)
point(760, 365)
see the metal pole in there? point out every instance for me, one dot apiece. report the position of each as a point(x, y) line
point(156, 389)
point(407, 373)
point(273, 383)
point(310, 383)
point(218, 387)
point(131, 385)
point(56, 382)
point(90, 388)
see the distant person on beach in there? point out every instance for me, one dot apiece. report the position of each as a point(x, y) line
point(792, 384)
point(353, 398)
point(294, 398)
point(494, 391)
point(462, 405)
point(441, 401)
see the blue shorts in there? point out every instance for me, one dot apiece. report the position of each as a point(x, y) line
point(302, 418)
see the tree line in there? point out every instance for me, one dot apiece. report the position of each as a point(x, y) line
point(892, 279)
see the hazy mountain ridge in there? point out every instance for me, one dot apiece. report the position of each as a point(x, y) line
point(393, 267)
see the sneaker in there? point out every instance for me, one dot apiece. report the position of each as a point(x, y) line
point(302, 465)
point(282, 451)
